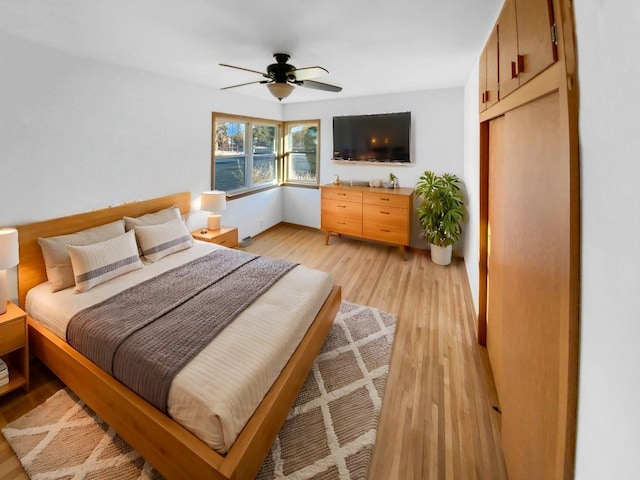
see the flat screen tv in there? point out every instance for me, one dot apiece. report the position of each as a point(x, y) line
point(384, 137)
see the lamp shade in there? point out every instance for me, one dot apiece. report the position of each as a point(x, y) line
point(213, 201)
point(280, 90)
point(8, 248)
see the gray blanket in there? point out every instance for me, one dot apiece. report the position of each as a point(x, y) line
point(146, 334)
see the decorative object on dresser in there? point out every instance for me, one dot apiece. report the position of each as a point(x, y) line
point(441, 213)
point(14, 350)
point(8, 259)
point(226, 236)
point(213, 202)
point(378, 214)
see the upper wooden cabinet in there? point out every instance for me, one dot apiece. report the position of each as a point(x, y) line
point(509, 57)
point(537, 37)
point(521, 45)
point(489, 72)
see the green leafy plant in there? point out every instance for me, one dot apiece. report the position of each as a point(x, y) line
point(441, 211)
point(392, 177)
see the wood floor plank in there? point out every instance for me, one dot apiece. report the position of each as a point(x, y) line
point(437, 420)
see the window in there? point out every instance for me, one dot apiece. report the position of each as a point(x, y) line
point(301, 152)
point(245, 153)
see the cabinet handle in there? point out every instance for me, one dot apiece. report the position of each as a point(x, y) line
point(483, 101)
point(342, 206)
point(385, 213)
point(385, 199)
point(517, 67)
point(383, 230)
point(341, 223)
point(343, 194)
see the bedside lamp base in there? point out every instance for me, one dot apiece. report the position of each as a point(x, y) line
point(213, 221)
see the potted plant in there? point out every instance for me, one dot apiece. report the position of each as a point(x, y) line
point(441, 213)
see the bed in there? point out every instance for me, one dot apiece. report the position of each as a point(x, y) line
point(167, 445)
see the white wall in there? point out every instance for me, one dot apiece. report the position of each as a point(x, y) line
point(77, 134)
point(608, 38)
point(437, 144)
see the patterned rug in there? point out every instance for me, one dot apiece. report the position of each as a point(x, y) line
point(329, 433)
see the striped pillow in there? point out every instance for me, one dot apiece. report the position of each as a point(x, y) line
point(158, 241)
point(97, 263)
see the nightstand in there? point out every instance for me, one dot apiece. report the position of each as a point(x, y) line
point(227, 236)
point(14, 348)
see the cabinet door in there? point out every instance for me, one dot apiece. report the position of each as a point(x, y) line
point(491, 93)
point(510, 63)
point(535, 46)
point(482, 74)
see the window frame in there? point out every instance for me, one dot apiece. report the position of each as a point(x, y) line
point(248, 152)
point(286, 156)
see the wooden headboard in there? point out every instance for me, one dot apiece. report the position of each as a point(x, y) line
point(31, 269)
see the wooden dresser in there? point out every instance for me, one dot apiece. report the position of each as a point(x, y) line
point(380, 214)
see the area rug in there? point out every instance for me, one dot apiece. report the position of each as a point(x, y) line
point(329, 433)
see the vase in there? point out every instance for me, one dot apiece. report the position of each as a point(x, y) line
point(441, 255)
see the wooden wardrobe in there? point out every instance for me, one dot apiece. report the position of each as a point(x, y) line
point(529, 240)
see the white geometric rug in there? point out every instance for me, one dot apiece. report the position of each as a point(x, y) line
point(329, 433)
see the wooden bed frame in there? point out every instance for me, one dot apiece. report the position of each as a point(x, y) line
point(171, 449)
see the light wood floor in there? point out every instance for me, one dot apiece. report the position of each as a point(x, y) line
point(437, 420)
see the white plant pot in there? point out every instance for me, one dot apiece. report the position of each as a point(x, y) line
point(441, 255)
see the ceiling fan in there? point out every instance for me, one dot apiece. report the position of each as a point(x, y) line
point(281, 77)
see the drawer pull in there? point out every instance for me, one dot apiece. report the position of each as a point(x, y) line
point(343, 194)
point(342, 206)
point(386, 213)
point(341, 223)
point(383, 230)
point(385, 199)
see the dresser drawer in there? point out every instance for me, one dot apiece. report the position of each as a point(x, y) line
point(341, 208)
point(228, 239)
point(393, 217)
point(342, 195)
point(382, 198)
point(348, 226)
point(385, 233)
point(12, 335)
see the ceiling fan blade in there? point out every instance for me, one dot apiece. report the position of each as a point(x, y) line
point(306, 73)
point(243, 84)
point(245, 69)
point(319, 86)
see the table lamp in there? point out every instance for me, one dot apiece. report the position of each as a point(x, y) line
point(213, 202)
point(8, 259)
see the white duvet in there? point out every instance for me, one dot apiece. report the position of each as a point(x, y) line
point(218, 391)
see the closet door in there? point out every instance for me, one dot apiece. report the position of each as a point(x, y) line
point(496, 287)
point(528, 286)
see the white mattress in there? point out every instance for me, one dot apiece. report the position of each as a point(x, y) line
point(214, 403)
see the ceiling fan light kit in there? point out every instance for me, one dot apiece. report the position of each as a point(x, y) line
point(282, 77)
point(280, 90)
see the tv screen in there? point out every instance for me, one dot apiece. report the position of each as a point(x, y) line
point(384, 137)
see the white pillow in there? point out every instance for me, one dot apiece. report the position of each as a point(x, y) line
point(97, 263)
point(56, 257)
point(156, 218)
point(158, 241)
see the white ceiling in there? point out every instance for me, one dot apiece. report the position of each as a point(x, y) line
point(370, 47)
